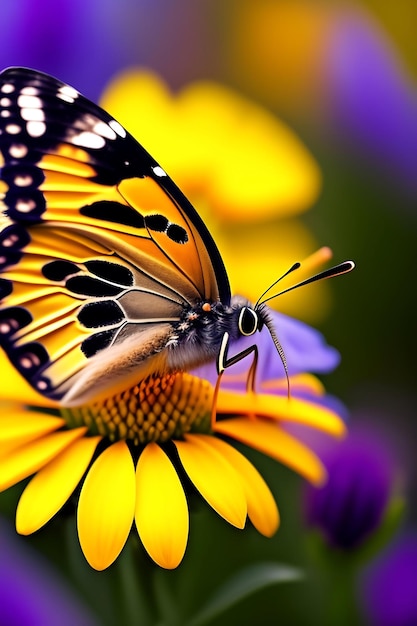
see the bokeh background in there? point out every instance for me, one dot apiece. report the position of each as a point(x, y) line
point(340, 77)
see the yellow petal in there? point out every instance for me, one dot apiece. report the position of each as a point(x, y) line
point(15, 387)
point(51, 487)
point(214, 477)
point(161, 508)
point(307, 383)
point(269, 438)
point(279, 408)
point(106, 506)
point(19, 426)
point(30, 457)
point(262, 508)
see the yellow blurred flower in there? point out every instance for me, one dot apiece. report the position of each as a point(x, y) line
point(277, 50)
point(244, 170)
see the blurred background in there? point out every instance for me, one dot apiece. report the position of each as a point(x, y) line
point(312, 116)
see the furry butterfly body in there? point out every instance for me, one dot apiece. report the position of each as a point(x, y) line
point(108, 274)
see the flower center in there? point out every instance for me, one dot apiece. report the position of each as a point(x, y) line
point(156, 409)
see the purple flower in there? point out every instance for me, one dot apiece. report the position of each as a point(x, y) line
point(82, 43)
point(389, 585)
point(373, 101)
point(352, 503)
point(30, 592)
point(305, 350)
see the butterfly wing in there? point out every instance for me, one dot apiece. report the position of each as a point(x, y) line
point(101, 254)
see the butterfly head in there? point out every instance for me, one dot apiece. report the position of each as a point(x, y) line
point(253, 318)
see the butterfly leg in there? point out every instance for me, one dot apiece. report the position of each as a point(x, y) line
point(223, 363)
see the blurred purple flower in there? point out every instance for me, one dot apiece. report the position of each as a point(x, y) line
point(82, 43)
point(86, 43)
point(389, 585)
point(352, 503)
point(373, 101)
point(31, 594)
point(305, 350)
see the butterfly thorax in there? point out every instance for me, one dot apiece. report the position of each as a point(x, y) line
point(197, 338)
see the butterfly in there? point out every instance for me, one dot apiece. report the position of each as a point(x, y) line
point(108, 273)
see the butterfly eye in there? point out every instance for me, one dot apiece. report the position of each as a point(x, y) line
point(248, 321)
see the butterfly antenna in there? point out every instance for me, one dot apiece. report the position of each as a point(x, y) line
point(266, 318)
point(296, 266)
point(260, 306)
point(337, 270)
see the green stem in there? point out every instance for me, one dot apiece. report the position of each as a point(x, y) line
point(165, 600)
point(134, 599)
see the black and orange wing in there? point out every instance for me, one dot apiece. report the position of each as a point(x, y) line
point(98, 247)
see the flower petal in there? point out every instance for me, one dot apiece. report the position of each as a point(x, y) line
point(272, 440)
point(19, 426)
point(106, 506)
point(51, 487)
point(214, 477)
point(279, 408)
point(301, 383)
point(161, 508)
point(30, 457)
point(262, 508)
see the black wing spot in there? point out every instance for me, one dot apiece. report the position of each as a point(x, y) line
point(59, 270)
point(13, 319)
point(177, 233)
point(112, 272)
point(6, 288)
point(30, 358)
point(25, 205)
point(88, 286)
point(97, 342)
point(110, 211)
point(103, 313)
point(12, 239)
point(160, 224)
point(25, 176)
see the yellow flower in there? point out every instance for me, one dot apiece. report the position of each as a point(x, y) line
point(246, 172)
point(131, 453)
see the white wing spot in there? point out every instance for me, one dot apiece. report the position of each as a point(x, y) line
point(10, 241)
point(36, 128)
point(8, 88)
point(23, 180)
point(103, 129)
point(27, 101)
point(158, 171)
point(13, 129)
point(25, 205)
point(18, 151)
point(29, 91)
point(5, 113)
point(67, 93)
point(32, 115)
point(88, 139)
point(118, 128)
point(5, 102)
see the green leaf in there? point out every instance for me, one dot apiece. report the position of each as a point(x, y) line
point(241, 585)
